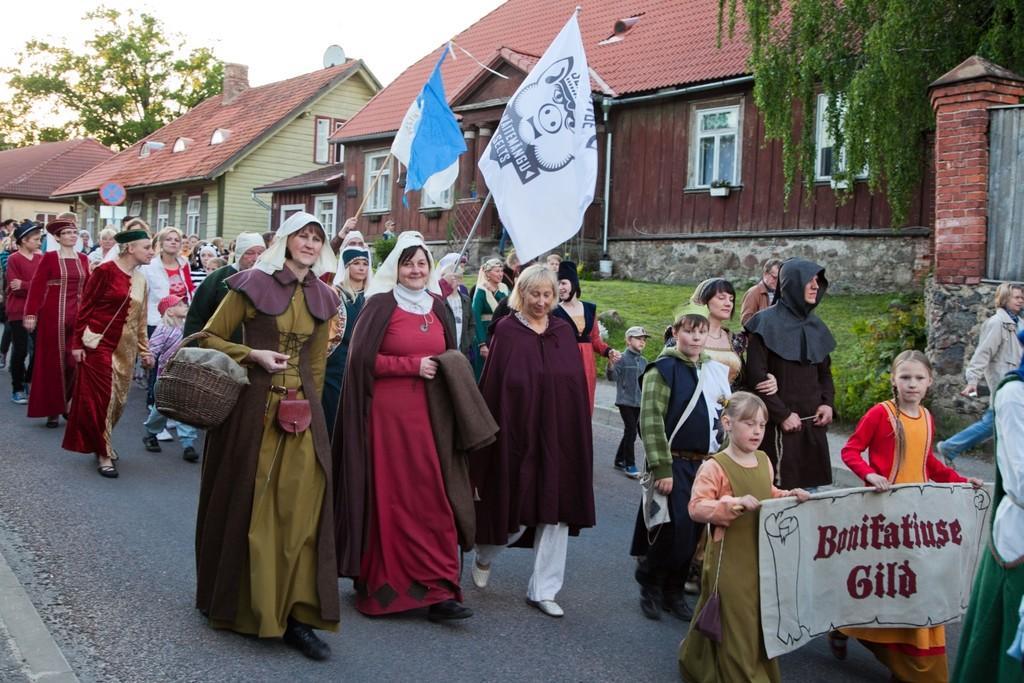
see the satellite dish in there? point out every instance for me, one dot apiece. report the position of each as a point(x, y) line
point(333, 56)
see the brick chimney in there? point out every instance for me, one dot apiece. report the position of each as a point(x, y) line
point(236, 81)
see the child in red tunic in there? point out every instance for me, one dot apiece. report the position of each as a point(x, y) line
point(898, 436)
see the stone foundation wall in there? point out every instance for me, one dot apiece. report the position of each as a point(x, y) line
point(954, 314)
point(884, 262)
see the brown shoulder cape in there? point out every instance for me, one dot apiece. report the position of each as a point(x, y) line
point(353, 462)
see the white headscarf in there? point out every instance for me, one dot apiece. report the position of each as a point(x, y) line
point(448, 263)
point(272, 260)
point(386, 278)
point(341, 277)
point(246, 241)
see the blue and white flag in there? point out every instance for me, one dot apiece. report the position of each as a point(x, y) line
point(541, 163)
point(429, 140)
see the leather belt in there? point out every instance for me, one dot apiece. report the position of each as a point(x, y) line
point(690, 455)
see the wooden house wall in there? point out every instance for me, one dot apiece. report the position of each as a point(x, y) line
point(650, 159)
point(649, 195)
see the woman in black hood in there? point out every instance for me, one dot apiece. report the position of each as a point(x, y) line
point(789, 341)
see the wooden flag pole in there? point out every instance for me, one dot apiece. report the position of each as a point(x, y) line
point(479, 217)
point(373, 185)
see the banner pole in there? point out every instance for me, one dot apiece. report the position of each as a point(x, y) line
point(369, 190)
point(479, 217)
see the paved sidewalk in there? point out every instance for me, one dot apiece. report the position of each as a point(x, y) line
point(27, 650)
point(606, 413)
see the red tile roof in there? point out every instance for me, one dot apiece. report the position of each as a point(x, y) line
point(672, 43)
point(35, 172)
point(254, 115)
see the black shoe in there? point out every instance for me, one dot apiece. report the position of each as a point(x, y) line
point(676, 604)
point(302, 638)
point(152, 445)
point(108, 471)
point(619, 466)
point(449, 610)
point(52, 423)
point(649, 602)
point(189, 454)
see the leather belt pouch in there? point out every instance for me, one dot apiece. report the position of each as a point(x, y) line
point(293, 414)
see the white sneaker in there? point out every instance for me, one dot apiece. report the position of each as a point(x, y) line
point(481, 575)
point(548, 607)
point(165, 436)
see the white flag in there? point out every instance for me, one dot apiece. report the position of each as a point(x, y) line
point(541, 163)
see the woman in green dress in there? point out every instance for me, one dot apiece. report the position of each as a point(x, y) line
point(489, 291)
point(265, 531)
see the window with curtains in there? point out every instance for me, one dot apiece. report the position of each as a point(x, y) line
point(715, 150)
point(380, 196)
point(163, 213)
point(324, 210)
point(829, 160)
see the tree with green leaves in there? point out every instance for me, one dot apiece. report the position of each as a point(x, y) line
point(874, 59)
point(131, 78)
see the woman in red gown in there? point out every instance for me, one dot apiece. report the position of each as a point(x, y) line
point(113, 320)
point(402, 546)
point(51, 311)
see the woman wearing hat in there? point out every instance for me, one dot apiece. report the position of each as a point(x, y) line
point(53, 301)
point(400, 524)
point(350, 282)
point(21, 268)
point(582, 315)
point(109, 334)
point(489, 291)
point(265, 555)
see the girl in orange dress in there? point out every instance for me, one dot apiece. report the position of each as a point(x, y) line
point(898, 436)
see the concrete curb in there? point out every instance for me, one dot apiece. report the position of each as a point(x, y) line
point(40, 656)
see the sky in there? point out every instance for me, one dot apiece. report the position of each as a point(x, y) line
point(388, 35)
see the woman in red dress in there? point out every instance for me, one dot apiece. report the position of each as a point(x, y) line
point(109, 333)
point(51, 311)
point(582, 315)
point(400, 542)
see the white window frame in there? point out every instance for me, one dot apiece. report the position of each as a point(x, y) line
point(698, 111)
point(380, 201)
point(445, 201)
point(193, 218)
point(328, 217)
point(322, 130)
point(823, 140)
point(135, 208)
point(90, 222)
point(163, 213)
point(285, 208)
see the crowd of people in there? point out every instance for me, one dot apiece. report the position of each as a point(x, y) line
point(375, 384)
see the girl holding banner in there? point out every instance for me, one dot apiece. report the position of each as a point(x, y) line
point(724, 641)
point(898, 435)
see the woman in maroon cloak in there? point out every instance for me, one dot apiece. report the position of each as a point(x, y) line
point(535, 484)
point(109, 334)
point(398, 534)
point(51, 311)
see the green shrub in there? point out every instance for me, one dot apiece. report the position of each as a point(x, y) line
point(382, 247)
point(863, 378)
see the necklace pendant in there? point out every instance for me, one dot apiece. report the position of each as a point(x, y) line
point(424, 327)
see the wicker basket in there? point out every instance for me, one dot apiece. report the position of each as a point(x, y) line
point(196, 394)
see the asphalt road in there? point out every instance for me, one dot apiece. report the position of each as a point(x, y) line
point(108, 564)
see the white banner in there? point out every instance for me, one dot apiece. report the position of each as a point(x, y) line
point(855, 557)
point(541, 163)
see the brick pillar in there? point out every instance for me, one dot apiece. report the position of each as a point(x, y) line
point(956, 301)
point(961, 100)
